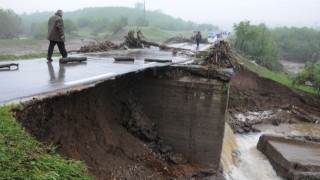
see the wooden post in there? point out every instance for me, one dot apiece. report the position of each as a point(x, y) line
point(72, 59)
point(158, 60)
point(124, 58)
point(9, 65)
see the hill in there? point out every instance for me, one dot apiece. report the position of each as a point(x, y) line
point(102, 18)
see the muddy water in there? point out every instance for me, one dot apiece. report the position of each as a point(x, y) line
point(254, 165)
point(292, 68)
point(229, 144)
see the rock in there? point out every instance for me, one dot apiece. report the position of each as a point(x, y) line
point(291, 121)
point(175, 159)
point(309, 138)
point(240, 131)
point(165, 168)
point(246, 129)
point(236, 157)
point(206, 174)
point(275, 122)
point(249, 125)
point(165, 148)
point(255, 129)
point(149, 137)
point(308, 83)
point(285, 106)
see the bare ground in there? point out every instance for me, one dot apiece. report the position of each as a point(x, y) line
point(251, 92)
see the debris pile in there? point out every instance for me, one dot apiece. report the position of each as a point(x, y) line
point(134, 42)
point(138, 42)
point(100, 47)
point(219, 56)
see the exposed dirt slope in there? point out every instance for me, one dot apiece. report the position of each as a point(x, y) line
point(92, 125)
point(251, 92)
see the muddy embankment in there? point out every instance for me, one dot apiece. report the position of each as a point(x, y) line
point(250, 92)
point(156, 124)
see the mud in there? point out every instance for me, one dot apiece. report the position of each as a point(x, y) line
point(41, 47)
point(105, 127)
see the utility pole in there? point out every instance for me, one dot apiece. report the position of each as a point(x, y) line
point(144, 15)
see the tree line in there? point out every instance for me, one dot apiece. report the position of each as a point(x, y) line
point(95, 20)
point(10, 24)
point(268, 45)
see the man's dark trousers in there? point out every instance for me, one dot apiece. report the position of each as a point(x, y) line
point(61, 47)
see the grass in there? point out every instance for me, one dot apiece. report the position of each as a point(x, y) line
point(22, 157)
point(156, 34)
point(151, 33)
point(28, 56)
point(281, 78)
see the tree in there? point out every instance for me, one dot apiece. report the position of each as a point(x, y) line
point(116, 25)
point(70, 26)
point(141, 21)
point(124, 21)
point(39, 30)
point(10, 24)
point(311, 72)
point(139, 5)
point(298, 44)
point(257, 40)
point(83, 22)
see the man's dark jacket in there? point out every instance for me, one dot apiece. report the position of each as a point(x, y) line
point(56, 28)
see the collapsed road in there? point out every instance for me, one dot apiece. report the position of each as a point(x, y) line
point(126, 119)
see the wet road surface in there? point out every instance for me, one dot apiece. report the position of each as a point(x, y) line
point(37, 76)
point(189, 46)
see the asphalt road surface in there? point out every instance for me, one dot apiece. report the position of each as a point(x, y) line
point(38, 76)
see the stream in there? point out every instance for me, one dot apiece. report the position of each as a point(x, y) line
point(252, 164)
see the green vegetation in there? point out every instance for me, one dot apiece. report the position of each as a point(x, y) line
point(257, 40)
point(110, 20)
point(267, 46)
point(298, 44)
point(156, 34)
point(29, 56)
point(10, 24)
point(311, 72)
point(19, 41)
point(281, 78)
point(224, 87)
point(22, 157)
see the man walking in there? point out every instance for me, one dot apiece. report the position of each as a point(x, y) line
point(56, 35)
point(198, 38)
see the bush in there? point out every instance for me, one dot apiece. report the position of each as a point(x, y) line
point(311, 72)
point(40, 30)
point(10, 24)
point(69, 26)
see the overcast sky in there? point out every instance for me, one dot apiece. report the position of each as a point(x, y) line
point(219, 12)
